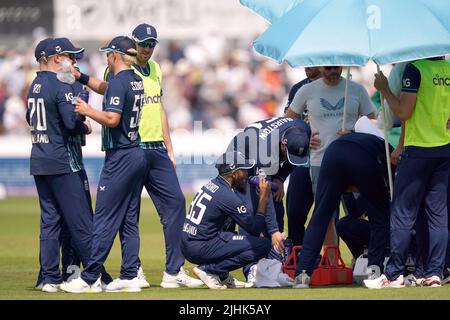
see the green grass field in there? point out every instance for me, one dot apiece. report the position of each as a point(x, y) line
point(19, 250)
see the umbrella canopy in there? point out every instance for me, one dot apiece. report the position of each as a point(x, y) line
point(270, 9)
point(350, 32)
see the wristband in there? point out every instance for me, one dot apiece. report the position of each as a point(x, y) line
point(83, 79)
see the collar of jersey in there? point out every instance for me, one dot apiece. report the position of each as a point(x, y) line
point(141, 70)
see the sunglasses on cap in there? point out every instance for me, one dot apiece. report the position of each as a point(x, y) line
point(145, 44)
point(331, 67)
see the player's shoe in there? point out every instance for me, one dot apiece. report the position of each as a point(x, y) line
point(231, 282)
point(446, 276)
point(433, 282)
point(39, 286)
point(123, 285)
point(180, 279)
point(211, 280)
point(382, 282)
point(78, 285)
point(373, 272)
point(49, 287)
point(251, 277)
point(143, 283)
point(302, 281)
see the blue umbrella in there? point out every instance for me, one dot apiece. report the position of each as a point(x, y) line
point(350, 32)
point(270, 9)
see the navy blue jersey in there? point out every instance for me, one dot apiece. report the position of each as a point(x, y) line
point(76, 141)
point(212, 208)
point(124, 96)
point(51, 116)
point(294, 90)
point(260, 141)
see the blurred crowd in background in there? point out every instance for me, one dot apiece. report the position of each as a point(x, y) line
point(221, 82)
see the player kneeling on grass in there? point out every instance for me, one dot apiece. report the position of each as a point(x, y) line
point(121, 176)
point(215, 206)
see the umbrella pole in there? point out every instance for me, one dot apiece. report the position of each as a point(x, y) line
point(386, 143)
point(347, 79)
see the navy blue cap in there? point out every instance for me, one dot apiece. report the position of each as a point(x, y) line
point(63, 45)
point(144, 32)
point(122, 45)
point(297, 144)
point(232, 161)
point(41, 48)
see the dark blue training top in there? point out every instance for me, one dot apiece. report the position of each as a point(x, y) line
point(124, 96)
point(212, 208)
point(51, 116)
point(76, 141)
point(260, 142)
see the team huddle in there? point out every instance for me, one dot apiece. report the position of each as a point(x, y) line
point(234, 221)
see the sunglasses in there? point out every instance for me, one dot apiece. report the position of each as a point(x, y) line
point(145, 44)
point(331, 67)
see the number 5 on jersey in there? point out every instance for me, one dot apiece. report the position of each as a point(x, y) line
point(196, 216)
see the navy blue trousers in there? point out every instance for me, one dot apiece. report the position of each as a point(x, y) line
point(355, 232)
point(347, 164)
point(62, 197)
point(420, 183)
point(119, 183)
point(299, 200)
point(161, 183)
point(226, 252)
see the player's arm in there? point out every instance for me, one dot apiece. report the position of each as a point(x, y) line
point(97, 85)
point(244, 216)
point(64, 98)
point(114, 103)
point(108, 119)
point(403, 107)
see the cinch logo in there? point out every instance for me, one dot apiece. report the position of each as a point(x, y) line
point(439, 81)
point(152, 99)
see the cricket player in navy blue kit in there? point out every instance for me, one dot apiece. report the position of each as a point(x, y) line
point(299, 195)
point(277, 145)
point(357, 161)
point(215, 206)
point(421, 182)
point(121, 175)
point(58, 176)
point(161, 180)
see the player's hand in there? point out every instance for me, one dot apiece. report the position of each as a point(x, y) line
point(87, 123)
point(277, 241)
point(396, 155)
point(82, 107)
point(264, 188)
point(315, 142)
point(172, 158)
point(343, 132)
point(75, 72)
point(381, 82)
point(279, 194)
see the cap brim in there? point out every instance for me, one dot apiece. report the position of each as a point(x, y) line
point(251, 163)
point(74, 51)
point(105, 49)
point(297, 160)
point(145, 39)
